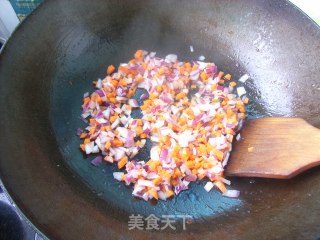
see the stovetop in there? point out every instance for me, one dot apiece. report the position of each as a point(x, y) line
point(14, 226)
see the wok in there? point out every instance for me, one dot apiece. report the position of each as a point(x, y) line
point(51, 60)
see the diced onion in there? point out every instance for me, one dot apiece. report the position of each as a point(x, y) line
point(231, 193)
point(208, 186)
point(238, 137)
point(244, 78)
point(241, 91)
point(202, 58)
point(118, 175)
point(191, 138)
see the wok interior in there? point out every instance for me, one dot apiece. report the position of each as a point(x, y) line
point(63, 55)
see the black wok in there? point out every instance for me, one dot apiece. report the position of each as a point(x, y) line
point(51, 60)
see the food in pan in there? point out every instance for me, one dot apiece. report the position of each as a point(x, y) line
point(189, 110)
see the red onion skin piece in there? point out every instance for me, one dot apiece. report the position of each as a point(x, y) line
point(97, 161)
point(231, 193)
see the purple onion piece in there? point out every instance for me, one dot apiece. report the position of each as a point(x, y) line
point(100, 93)
point(143, 96)
point(97, 161)
point(121, 92)
point(79, 131)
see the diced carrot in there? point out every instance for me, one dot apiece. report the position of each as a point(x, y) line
point(219, 154)
point(203, 76)
point(82, 146)
point(206, 165)
point(185, 154)
point(162, 70)
point(114, 83)
point(130, 93)
point(153, 193)
point(165, 174)
point(187, 65)
point(233, 84)
point(154, 130)
point(99, 100)
point(182, 70)
point(92, 130)
point(83, 135)
point(220, 74)
point(107, 145)
point(182, 121)
point(202, 148)
point(107, 128)
point(194, 171)
point(87, 141)
point(86, 100)
point(153, 95)
point(143, 135)
point(177, 172)
point(123, 177)
point(113, 118)
point(93, 97)
point(139, 122)
point(190, 164)
point(138, 54)
point(122, 162)
point(157, 181)
point(117, 143)
point(197, 165)
point(214, 87)
point(138, 130)
point(159, 88)
point(150, 119)
point(227, 77)
point(143, 107)
point(144, 66)
point(122, 82)
point(139, 79)
point(180, 95)
point(124, 69)
point(209, 147)
point(174, 182)
point(220, 185)
point(153, 165)
point(169, 193)
point(110, 69)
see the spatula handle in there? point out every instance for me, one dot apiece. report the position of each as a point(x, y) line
point(275, 148)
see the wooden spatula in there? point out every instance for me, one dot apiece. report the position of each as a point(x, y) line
point(275, 148)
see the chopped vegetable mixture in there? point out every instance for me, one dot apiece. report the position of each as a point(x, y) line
point(191, 136)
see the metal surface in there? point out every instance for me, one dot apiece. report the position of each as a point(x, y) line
point(51, 60)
